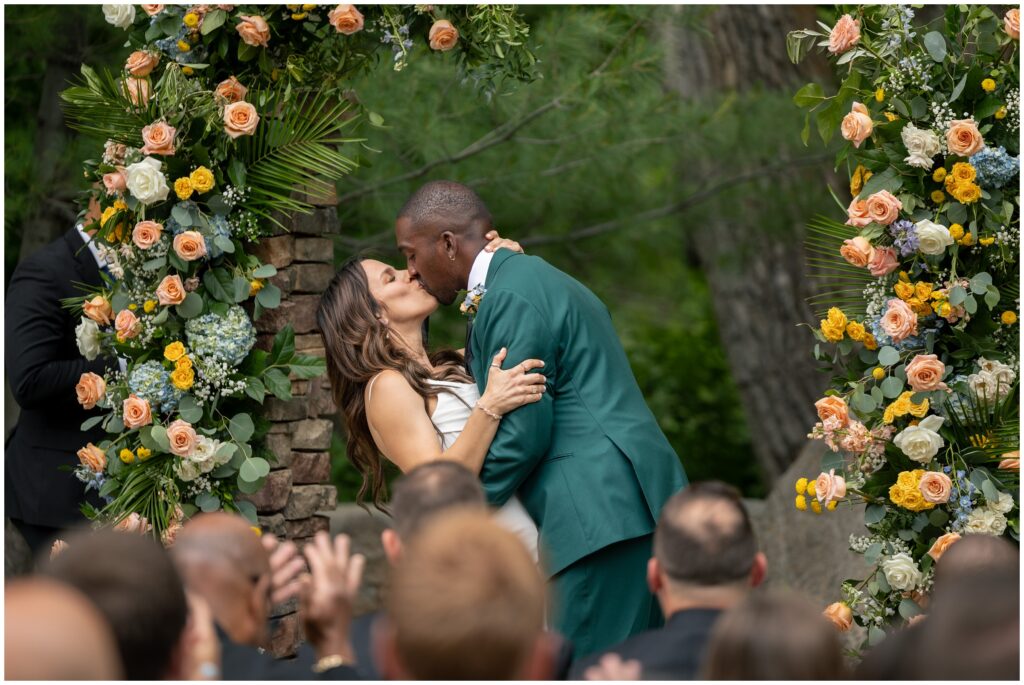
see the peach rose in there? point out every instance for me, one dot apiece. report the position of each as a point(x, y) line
point(443, 36)
point(158, 139)
point(137, 412)
point(883, 261)
point(93, 457)
point(90, 389)
point(146, 234)
point(141, 63)
point(899, 322)
point(126, 324)
point(170, 291)
point(98, 309)
point(840, 615)
point(914, 620)
point(346, 19)
point(174, 527)
point(884, 207)
point(1011, 23)
point(182, 437)
point(137, 90)
point(133, 523)
point(856, 251)
point(1010, 461)
point(943, 543)
point(829, 487)
point(845, 34)
point(240, 119)
point(963, 137)
point(857, 126)
point(924, 373)
point(57, 548)
point(190, 245)
point(115, 182)
point(254, 30)
point(857, 213)
point(231, 90)
point(153, 9)
point(935, 487)
point(833, 407)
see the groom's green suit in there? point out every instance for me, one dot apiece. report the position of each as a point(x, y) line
point(588, 461)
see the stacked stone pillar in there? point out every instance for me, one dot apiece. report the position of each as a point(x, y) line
point(297, 493)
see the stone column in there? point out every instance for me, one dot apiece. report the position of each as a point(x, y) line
point(297, 489)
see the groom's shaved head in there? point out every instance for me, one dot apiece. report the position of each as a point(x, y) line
point(449, 206)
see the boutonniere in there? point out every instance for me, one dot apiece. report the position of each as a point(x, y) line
point(472, 301)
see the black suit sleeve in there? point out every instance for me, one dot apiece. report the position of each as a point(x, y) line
point(35, 329)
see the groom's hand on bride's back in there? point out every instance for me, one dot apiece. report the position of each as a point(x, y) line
point(511, 388)
point(497, 242)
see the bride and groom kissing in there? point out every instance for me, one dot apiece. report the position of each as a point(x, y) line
point(542, 403)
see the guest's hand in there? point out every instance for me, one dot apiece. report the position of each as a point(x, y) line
point(329, 593)
point(201, 652)
point(286, 566)
point(612, 667)
point(498, 242)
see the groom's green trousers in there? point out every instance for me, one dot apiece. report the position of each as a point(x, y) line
point(603, 598)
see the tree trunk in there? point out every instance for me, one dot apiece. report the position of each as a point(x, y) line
point(755, 263)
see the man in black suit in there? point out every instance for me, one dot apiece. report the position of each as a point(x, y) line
point(43, 365)
point(705, 561)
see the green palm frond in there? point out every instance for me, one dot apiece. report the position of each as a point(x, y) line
point(840, 283)
point(984, 429)
point(97, 104)
point(297, 149)
point(145, 490)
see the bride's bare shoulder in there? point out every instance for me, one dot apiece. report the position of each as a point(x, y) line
point(387, 383)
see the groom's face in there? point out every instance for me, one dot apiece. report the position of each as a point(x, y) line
point(427, 260)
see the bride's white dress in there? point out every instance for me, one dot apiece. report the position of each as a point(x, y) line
point(450, 416)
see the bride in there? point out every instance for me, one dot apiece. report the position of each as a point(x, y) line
point(403, 403)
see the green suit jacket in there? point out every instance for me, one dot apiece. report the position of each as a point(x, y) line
point(588, 461)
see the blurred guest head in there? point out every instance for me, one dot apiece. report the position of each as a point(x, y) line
point(423, 492)
point(52, 632)
point(130, 578)
point(705, 553)
point(222, 560)
point(774, 635)
point(466, 603)
point(971, 554)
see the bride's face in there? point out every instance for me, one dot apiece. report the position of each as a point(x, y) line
point(403, 298)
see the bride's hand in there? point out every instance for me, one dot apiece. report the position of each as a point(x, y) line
point(497, 242)
point(512, 388)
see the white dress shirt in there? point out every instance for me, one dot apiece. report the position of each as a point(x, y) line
point(102, 264)
point(478, 274)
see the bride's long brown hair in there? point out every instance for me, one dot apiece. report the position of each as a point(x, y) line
point(358, 347)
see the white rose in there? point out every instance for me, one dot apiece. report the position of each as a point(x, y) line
point(901, 572)
point(120, 16)
point(186, 470)
point(1002, 373)
point(145, 181)
point(985, 521)
point(991, 386)
point(922, 144)
point(932, 238)
point(87, 334)
point(1004, 505)
point(921, 442)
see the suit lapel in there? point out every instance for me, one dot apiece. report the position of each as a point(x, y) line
point(85, 263)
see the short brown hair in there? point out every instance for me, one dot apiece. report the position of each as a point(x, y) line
point(430, 489)
point(467, 601)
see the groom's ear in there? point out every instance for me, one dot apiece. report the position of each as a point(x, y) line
point(450, 245)
point(654, 583)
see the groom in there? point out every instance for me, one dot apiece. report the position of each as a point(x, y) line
point(588, 460)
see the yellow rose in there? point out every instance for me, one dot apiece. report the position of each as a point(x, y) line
point(903, 290)
point(956, 231)
point(964, 172)
point(878, 373)
point(1008, 318)
point(182, 378)
point(174, 351)
point(938, 197)
point(201, 179)
point(859, 178)
point(831, 333)
point(904, 276)
point(889, 415)
point(988, 85)
point(855, 331)
point(870, 342)
point(939, 175)
point(919, 410)
point(945, 309)
point(126, 455)
point(923, 289)
point(968, 193)
point(836, 317)
point(183, 363)
point(143, 453)
point(183, 188)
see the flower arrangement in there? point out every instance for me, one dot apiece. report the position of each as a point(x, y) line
point(920, 297)
point(224, 119)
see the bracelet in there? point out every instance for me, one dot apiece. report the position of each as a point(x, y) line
point(328, 662)
point(493, 415)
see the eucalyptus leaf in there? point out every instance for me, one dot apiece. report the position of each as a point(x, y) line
point(154, 264)
point(212, 21)
point(269, 297)
point(892, 387)
point(191, 307)
point(159, 436)
point(91, 423)
point(957, 295)
point(991, 297)
point(888, 356)
point(865, 404)
point(935, 44)
point(872, 553)
point(189, 409)
point(181, 215)
point(115, 425)
point(989, 490)
point(971, 305)
point(241, 289)
point(249, 487)
point(248, 510)
point(265, 271)
point(161, 317)
point(249, 471)
point(909, 609)
point(241, 427)
point(873, 513)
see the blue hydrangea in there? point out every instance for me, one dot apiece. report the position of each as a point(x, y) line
point(904, 235)
point(226, 338)
point(169, 46)
point(151, 381)
point(219, 226)
point(995, 168)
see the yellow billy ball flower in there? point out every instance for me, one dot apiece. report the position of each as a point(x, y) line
point(801, 486)
point(292, 7)
point(890, 116)
point(201, 179)
point(174, 351)
point(956, 231)
point(188, 71)
point(143, 453)
point(148, 306)
point(256, 530)
point(988, 85)
point(126, 455)
point(183, 46)
point(191, 20)
point(880, 95)
point(878, 373)
point(938, 197)
point(986, 241)
point(1001, 112)
point(133, 306)
point(108, 213)
point(815, 506)
point(801, 503)
point(182, 378)
point(255, 285)
point(810, 488)
point(855, 331)
point(859, 178)
point(964, 172)
point(1009, 318)
point(968, 239)
point(832, 505)
point(183, 363)
point(183, 188)
point(939, 175)
point(869, 342)
point(299, 16)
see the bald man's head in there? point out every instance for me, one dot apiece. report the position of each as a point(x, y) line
point(220, 557)
point(52, 632)
point(972, 554)
point(704, 536)
point(447, 205)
